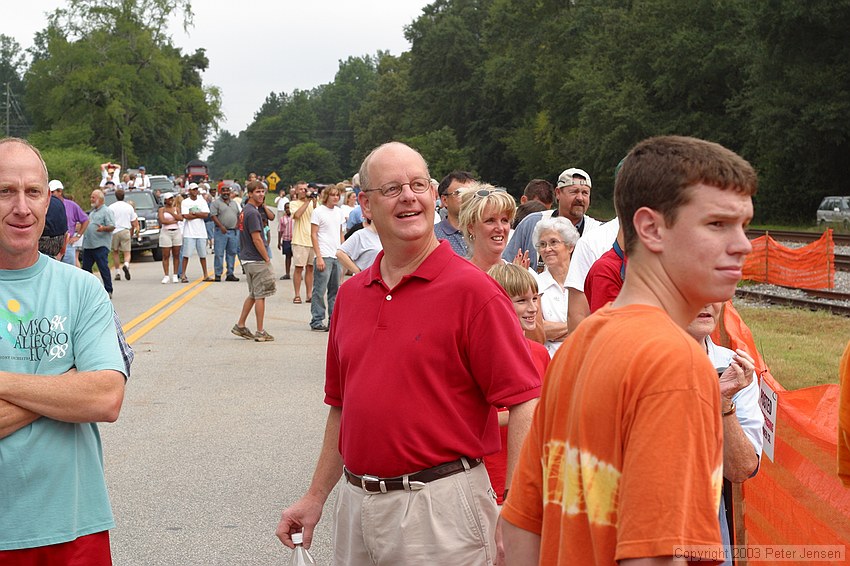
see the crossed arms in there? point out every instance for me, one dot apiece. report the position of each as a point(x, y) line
point(75, 397)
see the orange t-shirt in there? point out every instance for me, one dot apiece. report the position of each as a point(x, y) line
point(624, 458)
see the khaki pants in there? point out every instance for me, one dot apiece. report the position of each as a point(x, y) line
point(450, 521)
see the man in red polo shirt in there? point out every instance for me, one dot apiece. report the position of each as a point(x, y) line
point(412, 400)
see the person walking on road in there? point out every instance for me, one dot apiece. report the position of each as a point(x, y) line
point(126, 228)
point(256, 263)
point(98, 239)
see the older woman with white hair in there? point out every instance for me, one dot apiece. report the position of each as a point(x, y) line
point(485, 220)
point(554, 239)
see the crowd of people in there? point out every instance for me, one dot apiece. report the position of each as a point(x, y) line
point(566, 406)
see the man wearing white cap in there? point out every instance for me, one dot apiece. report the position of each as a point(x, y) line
point(78, 221)
point(573, 196)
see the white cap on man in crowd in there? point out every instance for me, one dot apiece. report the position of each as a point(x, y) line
point(192, 186)
point(565, 179)
point(56, 185)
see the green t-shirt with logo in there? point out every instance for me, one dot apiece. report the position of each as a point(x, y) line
point(53, 317)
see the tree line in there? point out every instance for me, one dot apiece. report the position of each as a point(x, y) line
point(104, 82)
point(519, 89)
point(508, 89)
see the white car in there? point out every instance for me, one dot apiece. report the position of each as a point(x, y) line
point(835, 210)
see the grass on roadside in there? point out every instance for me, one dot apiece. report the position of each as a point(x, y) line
point(801, 348)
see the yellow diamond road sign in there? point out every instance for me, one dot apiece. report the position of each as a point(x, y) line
point(273, 180)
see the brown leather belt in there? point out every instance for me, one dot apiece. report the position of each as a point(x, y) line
point(410, 482)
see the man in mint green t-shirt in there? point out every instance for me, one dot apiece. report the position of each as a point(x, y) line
point(61, 372)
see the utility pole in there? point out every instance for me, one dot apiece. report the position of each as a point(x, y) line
point(8, 105)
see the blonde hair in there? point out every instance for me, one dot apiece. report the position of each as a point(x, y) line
point(472, 205)
point(514, 279)
point(327, 192)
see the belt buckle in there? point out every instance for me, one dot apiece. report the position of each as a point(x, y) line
point(379, 481)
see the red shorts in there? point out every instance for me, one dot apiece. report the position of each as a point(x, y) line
point(90, 550)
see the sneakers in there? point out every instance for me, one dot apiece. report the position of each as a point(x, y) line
point(173, 278)
point(284, 277)
point(117, 276)
point(321, 328)
point(263, 336)
point(165, 279)
point(126, 269)
point(231, 277)
point(242, 331)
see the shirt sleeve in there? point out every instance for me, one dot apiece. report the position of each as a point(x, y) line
point(353, 246)
point(506, 375)
point(580, 264)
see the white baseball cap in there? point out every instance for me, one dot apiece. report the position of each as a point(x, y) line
point(565, 179)
point(56, 185)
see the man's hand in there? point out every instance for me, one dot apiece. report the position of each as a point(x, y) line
point(320, 263)
point(738, 375)
point(223, 229)
point(304, 515)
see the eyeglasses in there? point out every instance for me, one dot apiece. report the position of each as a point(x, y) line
point(484, 193)
point(452, 194)
point(550, 244)
point(418, 186)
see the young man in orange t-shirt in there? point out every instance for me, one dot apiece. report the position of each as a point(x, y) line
point(623, 462)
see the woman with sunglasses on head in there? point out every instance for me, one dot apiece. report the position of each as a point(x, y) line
point(554, 239)
point(485, 219)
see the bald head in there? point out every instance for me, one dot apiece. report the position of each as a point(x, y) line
point(387, 152)
point(9, 143)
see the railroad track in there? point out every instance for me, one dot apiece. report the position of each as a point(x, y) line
point(807, 303)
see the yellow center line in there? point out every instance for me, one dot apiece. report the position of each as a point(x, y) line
point(166, 313)
point(185, 288)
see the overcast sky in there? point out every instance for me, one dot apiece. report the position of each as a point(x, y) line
point(260, 46)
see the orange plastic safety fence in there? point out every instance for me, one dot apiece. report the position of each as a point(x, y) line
point(798, 498)
point(809, 267)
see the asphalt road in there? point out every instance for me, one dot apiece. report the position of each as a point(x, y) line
point(217, 434)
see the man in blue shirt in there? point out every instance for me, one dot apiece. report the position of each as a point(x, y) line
point(62, 372)
point(449, 191)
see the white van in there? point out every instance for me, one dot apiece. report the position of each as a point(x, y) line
point(835, 210)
